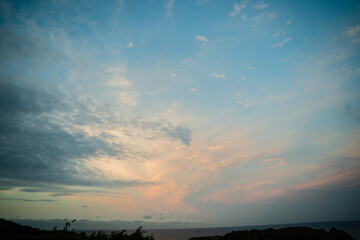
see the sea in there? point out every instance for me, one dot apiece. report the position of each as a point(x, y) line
point(350, 227)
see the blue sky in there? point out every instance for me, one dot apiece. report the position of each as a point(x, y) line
point(176, 113)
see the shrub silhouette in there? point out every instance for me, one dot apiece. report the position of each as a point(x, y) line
point(13, 231)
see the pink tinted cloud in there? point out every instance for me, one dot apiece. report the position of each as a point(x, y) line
point(278, 161)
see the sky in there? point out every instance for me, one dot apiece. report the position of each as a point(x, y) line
point(191, 113)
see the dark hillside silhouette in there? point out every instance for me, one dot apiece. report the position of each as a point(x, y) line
point(290, 233)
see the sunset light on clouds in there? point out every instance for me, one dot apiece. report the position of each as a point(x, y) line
point(194, 113)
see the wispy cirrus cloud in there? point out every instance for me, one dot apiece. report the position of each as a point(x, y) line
point(215, 75)
point(201, 38)
point(169, 7)
point(243, 99)
point(199, 2)
point(237, 8)
point(293, 55)
point(278, 161)
point(280, 32)
point(260, 5)
point(353, 33)
point(281, 43)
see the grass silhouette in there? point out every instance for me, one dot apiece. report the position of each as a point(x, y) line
point(13, 231)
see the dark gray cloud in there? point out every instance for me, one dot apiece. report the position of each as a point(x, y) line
point(154, 216)
point(178, 133)
point(37, 153)
point(28, 200)
point(16, 100)
point(37, 150)
point(57, 191)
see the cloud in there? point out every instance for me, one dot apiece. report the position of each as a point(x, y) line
point(16, 100)
point(69, 190)
point(27, 43)
point(199, 2)
point(127, 98)
point(282, 43)
point(154, 216)
point(280, 32)
point(289, 58)
point(257, 17)
point(271, 16)
point(193, 89)
point(116, 77)
point(215, 147)
point(237, 8)
point(178, 133)
point(201, 38)
point(28, 200)
point(169, 7)
point(353, 33)
point(130, 44)
point(336, 178)
point(260, 5)
point(118, 81)
point(278, 161)
point(38, 152)
point(242, 99)
point(215, 75)
point(65, 141)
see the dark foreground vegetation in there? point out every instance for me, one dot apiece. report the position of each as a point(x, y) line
point(290, 233)
point(13, 231)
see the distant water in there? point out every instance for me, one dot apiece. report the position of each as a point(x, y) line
point(350, 227)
